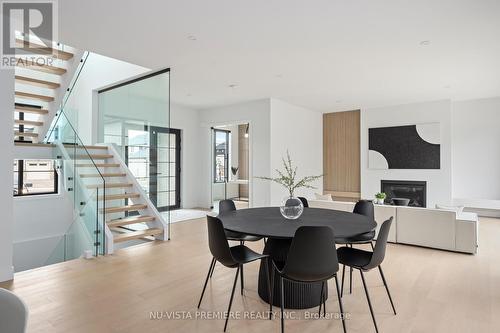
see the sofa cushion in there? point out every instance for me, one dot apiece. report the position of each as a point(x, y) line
point(456, 209)
point(325, 197)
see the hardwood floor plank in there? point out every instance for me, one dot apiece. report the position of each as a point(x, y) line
point(433, 291)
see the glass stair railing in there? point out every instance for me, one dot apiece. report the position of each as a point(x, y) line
point(86, 232)
point(73, 159)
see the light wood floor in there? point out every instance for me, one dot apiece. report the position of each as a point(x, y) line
point(434, 291)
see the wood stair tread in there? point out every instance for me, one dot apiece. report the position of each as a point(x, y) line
point(96, 175)
point(27, 109)
point(41, 67)
point(119, 196)
point(87, 147)
point(42, 49)
point(30, 144)
point(99, 165)
point(26, 134)
point(129, 220)
point(34, 96)
point(111, 185)
point(136, 234)
point(28, 122)
point(126, 208)
point(36, 82)
point(94, 156)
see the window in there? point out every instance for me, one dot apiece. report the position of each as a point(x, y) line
point(32, 177)
point(221, 151)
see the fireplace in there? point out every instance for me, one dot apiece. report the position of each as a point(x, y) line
point(416, 191)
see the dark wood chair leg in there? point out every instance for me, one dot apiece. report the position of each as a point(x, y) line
point(282, 304)
point(242, 283)
point(271, 299)
point(368, 299)
point(212, 263)
point(213, 268)
point(324, 299)
point(232, 296)
point(321, 299)
point(386, 288)
point(269, 292)
point(350, 278)
point(342, 288)
point(340, 303)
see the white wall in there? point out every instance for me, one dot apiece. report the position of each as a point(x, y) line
point(476, 150)
point(6, 178)
point(98, 71)
point(187, 120)
point(39, 223)
point(257, 114)
point(300, 131)
point(439, 182)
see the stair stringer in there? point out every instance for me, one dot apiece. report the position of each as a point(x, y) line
point(151, 210)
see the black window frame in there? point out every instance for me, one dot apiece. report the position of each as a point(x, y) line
point(226, 155)
point(20, 181)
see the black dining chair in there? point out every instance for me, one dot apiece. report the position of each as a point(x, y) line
point(312, 257)
point(305, 203)
point(365, 261)
point(231, 257)
point(366, 208)
point(226, 206)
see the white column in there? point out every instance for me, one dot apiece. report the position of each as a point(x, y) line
point(6, 171)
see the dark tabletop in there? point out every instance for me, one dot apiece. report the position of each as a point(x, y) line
point(268, 222)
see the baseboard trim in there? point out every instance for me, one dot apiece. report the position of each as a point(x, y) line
point(6, 274)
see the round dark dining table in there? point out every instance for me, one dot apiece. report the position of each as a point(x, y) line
point(268, 222)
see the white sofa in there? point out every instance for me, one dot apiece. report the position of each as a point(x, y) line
point(434, 228)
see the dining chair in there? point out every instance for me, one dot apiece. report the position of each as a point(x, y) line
point(366, 208)
point(226, 206)
point(13, 313)
point(305, 203)
point(231, 257)
point(365, 261)
point(312, 257)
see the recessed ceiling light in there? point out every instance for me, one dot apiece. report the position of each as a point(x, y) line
point(191, 37)
point(425, 42)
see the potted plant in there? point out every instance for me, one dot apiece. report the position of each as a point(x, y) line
point(380, 198)
point(291, 206)
point(234, 170)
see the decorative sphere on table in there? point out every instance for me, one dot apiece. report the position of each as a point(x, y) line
point(291, 208)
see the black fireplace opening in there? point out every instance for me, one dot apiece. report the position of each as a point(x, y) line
point(416, 191)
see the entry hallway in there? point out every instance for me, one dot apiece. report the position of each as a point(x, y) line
point(434, 291)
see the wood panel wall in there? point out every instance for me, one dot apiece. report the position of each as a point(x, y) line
point(243, 159)
point(341, 155)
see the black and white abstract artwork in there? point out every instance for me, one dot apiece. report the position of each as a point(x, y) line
point(405, 147)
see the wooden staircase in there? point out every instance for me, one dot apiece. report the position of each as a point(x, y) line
point(129, 214)
point(36, 87)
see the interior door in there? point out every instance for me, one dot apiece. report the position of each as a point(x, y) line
point(165, 169)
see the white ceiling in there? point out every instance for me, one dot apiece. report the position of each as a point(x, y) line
point(327, 55)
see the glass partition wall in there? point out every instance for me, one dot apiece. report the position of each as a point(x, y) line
point(135, 116)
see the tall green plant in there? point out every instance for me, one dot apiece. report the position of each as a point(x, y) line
point(287, 177)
